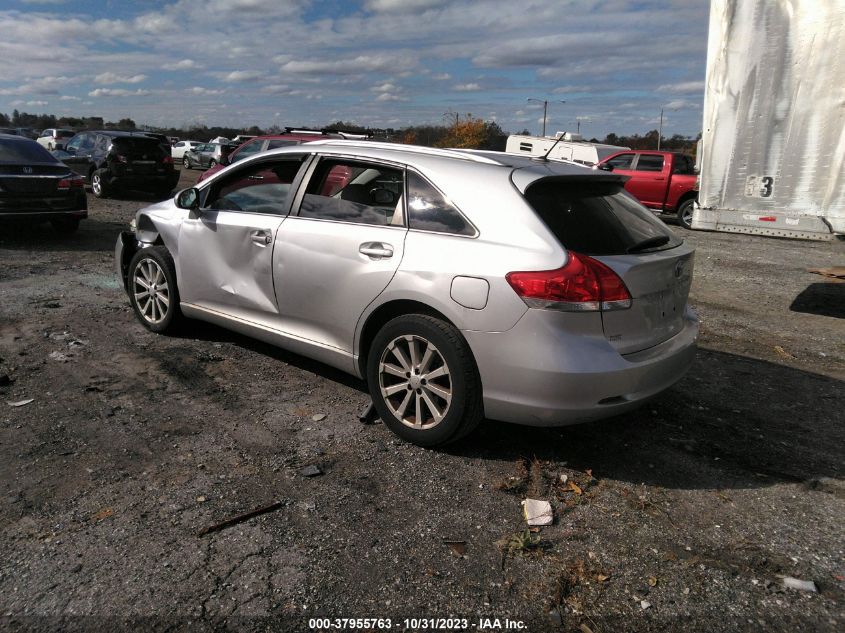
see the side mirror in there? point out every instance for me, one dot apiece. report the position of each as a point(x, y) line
point(605, 167)
point(188, 199)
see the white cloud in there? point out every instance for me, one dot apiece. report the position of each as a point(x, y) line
point(684, 87)
point(69, 98)
point(199, 90)
point(470, 87)
point(184, 64)
point(403, 6)
point(441, 76)
point(118, 92)
point(386, 96)
point(113, 78)
point(385, 87)
point(360, 64)
point(242, 75)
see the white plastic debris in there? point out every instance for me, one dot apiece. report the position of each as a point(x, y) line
point(318, 417)
point(21, 403)
point(645, 604)
point(537, 512)
point(800, 585)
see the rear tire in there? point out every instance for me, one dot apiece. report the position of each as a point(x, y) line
point(65, 226)
point(423, 380)
point(99, 183)
point(685, 213)
point(153, 293)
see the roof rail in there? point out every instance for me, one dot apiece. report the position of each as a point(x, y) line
point(411, 149)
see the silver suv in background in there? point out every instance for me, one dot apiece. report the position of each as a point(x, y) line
point(458, 284)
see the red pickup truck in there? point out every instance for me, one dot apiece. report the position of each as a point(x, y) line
point(662, 181)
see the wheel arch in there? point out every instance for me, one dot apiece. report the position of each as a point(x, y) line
point(692, 194)
point(384, 313)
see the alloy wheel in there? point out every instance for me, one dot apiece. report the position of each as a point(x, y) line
point(687, 216)
point(152, 294)
point(96, 184)
point(415, 382)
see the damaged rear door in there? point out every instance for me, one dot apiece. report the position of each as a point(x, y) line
point(226, 247)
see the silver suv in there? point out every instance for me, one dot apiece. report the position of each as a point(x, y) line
point(459, 284)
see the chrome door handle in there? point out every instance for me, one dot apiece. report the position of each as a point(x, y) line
point(261, 237)
point(376, 250)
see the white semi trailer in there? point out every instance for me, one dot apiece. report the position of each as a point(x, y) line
point(773, 140)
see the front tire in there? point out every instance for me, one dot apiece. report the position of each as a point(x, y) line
point(99, 183)
point(685, 213)
point(212, 163)
point(186, 162)
point(423, 380)
point(153, 292)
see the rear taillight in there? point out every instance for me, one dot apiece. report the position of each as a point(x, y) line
point(120, 158)
point(167, 160)
point(583, 284)
point(75, 182)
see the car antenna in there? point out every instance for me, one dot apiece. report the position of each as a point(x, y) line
point(545, 157)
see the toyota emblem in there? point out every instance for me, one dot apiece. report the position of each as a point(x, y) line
point(27, 170)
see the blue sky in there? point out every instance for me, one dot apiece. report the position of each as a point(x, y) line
point(384, 63)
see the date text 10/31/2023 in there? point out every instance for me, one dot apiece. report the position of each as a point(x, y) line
point(417, 624)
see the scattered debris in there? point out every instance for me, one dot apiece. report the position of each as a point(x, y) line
point(311, 470)
point(102, 514)
point(201, 499)
point(783, 353)
point(59, 357)
point(575, 488)
point(517, 483)
point(564, 478)
point(645, 604)
point(835, 272)
point(319, 417)
point(652, 581)
point(21, 403)
point(368, 414)
point(458, 548)
point(801, 585)
point(584, 628)
point(537, 512)
point(603, 577)
point(240, 518)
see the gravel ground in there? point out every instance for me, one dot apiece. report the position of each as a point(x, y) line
point(687, 513)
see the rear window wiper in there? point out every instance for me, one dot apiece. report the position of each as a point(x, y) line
point(651, 242)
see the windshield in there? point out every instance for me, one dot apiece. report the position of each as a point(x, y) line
point(598, 218)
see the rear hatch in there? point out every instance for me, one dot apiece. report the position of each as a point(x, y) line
point(594, 216)
point(139, 154)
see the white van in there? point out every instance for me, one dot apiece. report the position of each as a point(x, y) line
point(571, 147)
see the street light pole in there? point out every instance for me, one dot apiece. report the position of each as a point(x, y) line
point(545, 103)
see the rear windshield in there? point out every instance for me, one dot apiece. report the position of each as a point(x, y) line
point(136, 143)
point(598, 218)
point(24, 152)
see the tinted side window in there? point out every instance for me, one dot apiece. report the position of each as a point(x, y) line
point(280, 143)
point(683, 165)
point(75, 142)
point(623, 161)
point(247, 150)
point(261, 188)
point(430, 210)
point(347, 191)
point(596, 218)
point(650, 162)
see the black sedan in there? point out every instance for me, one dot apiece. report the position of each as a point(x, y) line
point(37, 187)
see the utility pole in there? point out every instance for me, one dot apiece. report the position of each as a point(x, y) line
point(660, 130)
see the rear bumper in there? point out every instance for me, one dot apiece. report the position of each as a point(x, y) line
point(142, 182)
point(538, 375)
point(29, 208)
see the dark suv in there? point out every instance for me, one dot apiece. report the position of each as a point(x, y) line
point(112, 161)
